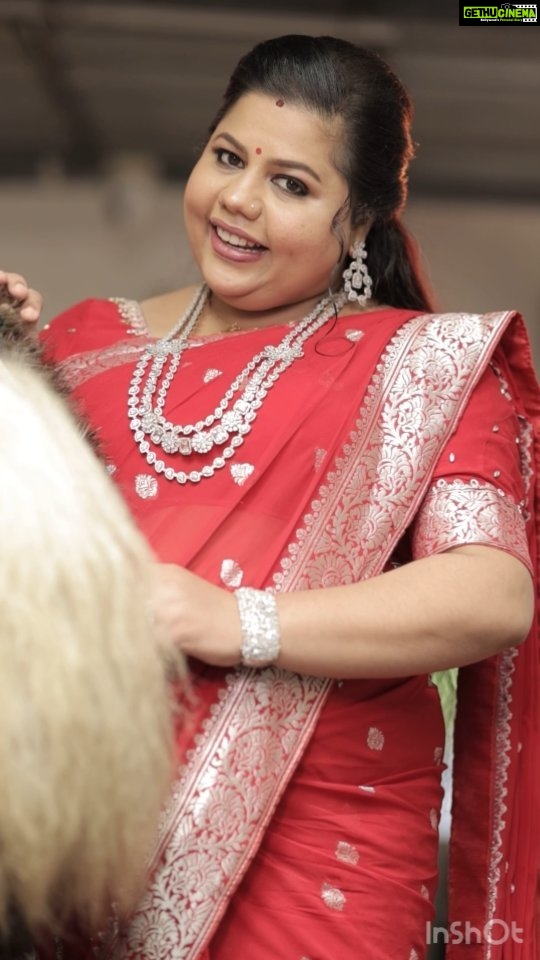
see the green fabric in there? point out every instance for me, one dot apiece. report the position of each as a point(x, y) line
point(446, 681)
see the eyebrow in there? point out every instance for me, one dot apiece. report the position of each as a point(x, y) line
point(284, 164)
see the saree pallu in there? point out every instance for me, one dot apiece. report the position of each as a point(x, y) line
point(304, 820)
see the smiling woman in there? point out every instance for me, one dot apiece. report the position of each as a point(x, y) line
point(262, 210)
point(339, 485)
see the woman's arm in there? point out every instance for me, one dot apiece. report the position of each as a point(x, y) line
point(443, 611)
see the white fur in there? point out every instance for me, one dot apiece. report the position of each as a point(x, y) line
point(85, 712)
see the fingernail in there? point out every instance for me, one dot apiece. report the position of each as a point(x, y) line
point(29, 313)
point(19, 288)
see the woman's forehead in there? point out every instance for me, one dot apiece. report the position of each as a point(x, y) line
point(257, 119)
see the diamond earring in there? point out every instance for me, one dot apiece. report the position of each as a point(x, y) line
point(357, 281)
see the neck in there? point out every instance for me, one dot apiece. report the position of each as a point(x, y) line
point(221, 317)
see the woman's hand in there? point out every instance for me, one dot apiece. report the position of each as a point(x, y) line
point(30, 300)
point(194, 616)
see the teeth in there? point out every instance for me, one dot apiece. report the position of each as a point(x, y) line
point(235, 240)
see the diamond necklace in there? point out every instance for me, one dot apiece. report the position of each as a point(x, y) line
point(227, 425)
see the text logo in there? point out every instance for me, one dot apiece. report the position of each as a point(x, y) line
point(493, 932)
point(502, 13)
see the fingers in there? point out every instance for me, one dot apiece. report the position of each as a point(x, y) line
point(15, 283)
point(30, 300)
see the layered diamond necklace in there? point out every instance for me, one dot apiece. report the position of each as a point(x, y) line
point(221, 432)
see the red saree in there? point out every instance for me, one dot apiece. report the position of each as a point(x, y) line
point(304, 820)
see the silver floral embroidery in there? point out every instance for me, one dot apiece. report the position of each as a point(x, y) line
point(526, 438)
point(111, 469)
point(131, 315)
point(504, 385)
point(366, 788)
point(346, 852)
point(216, 810)
point(375, 739)
point(354, 335)
point(371, 480)
point(211, 374)
point(462, 512)
point(333, 897)
point(320, 454)
point(146, 486)
point(81, 367)
point(240, 472)
point(231, 573)
point(503, 727)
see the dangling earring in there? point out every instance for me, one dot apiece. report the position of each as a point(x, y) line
point(356, 275)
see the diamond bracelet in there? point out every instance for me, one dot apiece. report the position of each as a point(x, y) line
point(260, 627)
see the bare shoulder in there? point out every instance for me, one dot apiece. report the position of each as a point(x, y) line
point(162, 312)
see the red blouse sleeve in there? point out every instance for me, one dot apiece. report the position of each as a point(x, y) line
point(481, 485)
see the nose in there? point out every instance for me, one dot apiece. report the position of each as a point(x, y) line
point(241, 197)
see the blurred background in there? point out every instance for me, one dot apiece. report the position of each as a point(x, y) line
point(103, 106)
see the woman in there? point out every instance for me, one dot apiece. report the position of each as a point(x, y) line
point(331, 480)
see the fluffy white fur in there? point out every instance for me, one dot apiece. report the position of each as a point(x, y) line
point(85, 708)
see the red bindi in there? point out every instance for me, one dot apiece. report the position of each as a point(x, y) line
point(280, 103)
point(258, 150)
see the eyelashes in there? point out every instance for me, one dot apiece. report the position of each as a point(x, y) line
point(292, 185)
point(287, 184)
point(227, 158)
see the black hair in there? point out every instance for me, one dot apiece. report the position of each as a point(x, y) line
point(337, 79)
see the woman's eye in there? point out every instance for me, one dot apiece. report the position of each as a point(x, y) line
point(227, 158)
point(291, 185)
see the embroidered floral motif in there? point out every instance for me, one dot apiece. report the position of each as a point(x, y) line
point(396, 436)
point(81, 367)
point(240, 472)
point(231, 573)
point(111, 469)
point(463, 512)
point(347, 853)
point(505, 387)
point(320, 454)
point(375, 739)
point(503, 727)
point(333, 897)
point(526, 438)
point(146, 486)
point(211, 374)
point(131, 315)
point(216, 809)
point(366, 788)
point(354, 335)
